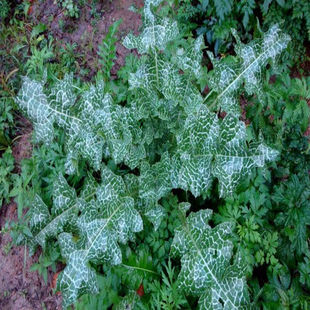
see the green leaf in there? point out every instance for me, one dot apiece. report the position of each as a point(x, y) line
point(156, 34)
point(154, 180)
point(207, 270)
point(130, 301)
point(38, 29)
point(120, 131)
point(190, 60)
point(266, 6)
point(197, 144)
point(45, 224)
point(233, 159)
point(107, 49)
point(211, 148)
point(102, 224)
point(99, 127)
point(226, 79)
point(223, 7)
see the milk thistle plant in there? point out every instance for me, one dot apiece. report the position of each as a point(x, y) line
point(168, 137)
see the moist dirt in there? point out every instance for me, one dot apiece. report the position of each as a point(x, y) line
point(90, 28)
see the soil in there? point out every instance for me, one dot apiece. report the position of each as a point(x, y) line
point(90, 28)
point(20, 288)
point(22, 147)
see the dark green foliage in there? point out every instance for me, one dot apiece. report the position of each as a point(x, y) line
point(4, 9)
point(107, 50)
point(49, 259)
point(70, 6)
point(214, 18)
point(166, 295)
point(6, 170)
point(6, 121)
point(304, 270)
point(283, 292)
point(292, 200)
point(108, 286)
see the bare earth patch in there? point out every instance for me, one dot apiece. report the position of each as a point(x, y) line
point(20, 288)
point(22, 147)
point(90, 28)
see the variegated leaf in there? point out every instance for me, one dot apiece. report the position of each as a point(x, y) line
point(45, 224)
point(103, 223)
point(251, 60)
point(207, 270)
point(156, 34)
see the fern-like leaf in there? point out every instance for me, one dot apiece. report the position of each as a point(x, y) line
point(107, 50)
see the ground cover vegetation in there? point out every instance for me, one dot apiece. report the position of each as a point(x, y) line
point(182, 183)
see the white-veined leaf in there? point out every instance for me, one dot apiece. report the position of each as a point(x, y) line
point(207, 270)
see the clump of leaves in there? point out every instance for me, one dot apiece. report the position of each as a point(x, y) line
point(107, 50)
point(293, 221)
point(167, 295)
point(70, 7)
point(6, 118)
point(6, 170)
point(4, 8)
point(214, 19)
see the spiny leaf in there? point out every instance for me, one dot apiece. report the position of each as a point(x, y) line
point(190, 60)
point(206, 270)
point(97, 127)
point(56, 108)
point(226, 79)
point(156, 34)
point(38, 111)
point(153, 211)
point(233, 159)
point(130, 301)
point(197, 143)
point(45, 224)
point(120, 131)
point(211, 148)
point(154, 180)
point(71, 285)
point(102, 224)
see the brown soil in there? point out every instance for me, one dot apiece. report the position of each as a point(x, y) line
point(22, 147)
point(20, 288)
point(90, 28)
